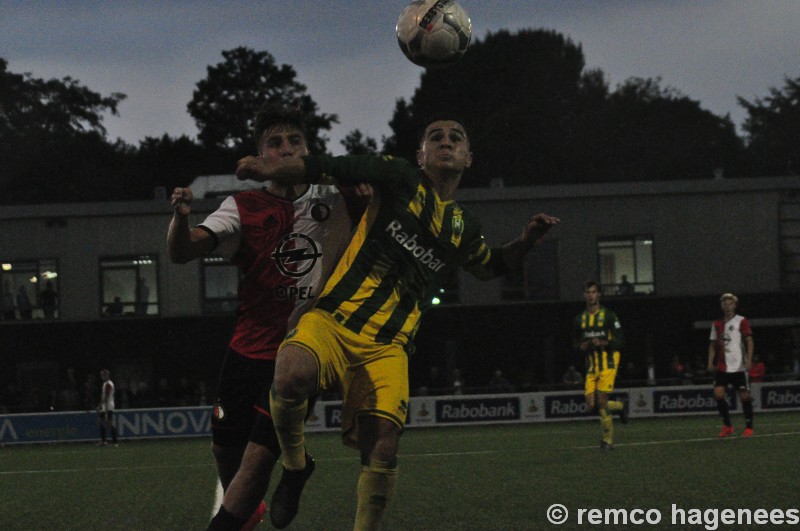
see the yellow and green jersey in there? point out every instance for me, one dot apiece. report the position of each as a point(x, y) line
point(604, 324)
point(405, 243)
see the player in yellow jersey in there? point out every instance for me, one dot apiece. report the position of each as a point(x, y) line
point(599, 337)
point(358, 337)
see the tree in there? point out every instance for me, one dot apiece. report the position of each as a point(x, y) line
point(655, 133)
point(355, 143)
point(536, 115)
point(226, 101)
point(53, 146)
point(772, 126)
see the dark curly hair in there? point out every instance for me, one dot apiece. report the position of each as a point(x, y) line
point(271, 115)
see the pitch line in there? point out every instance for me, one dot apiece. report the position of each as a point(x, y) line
point(698, 439)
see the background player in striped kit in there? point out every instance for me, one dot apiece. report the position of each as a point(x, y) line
point(599, 337)
point(730, 356)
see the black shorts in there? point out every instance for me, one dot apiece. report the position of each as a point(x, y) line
point(242, 391)
point(737, 380)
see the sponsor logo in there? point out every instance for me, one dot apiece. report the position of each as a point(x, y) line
point(565, 406)
point(320, 212)
point(784, 396)
point(691, 400)
point(179, 422)
point(333, 416)
point(477, 410)
point(7, 431)
point(409, 242)
point(296, 255)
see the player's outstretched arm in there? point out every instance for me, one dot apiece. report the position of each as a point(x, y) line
point(288, 170)
point(183, 243)
point(512, 254)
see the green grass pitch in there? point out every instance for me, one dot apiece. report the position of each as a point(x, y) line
point(501, 477)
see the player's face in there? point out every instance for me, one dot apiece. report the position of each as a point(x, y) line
point(445, 147)
point(282, 141)
point(728, 306)
point(591, 295)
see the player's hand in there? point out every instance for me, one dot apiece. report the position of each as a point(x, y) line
point(181, 200)
point(537, 227)
point(584, 345)
point(364, 190)
point(253, 168)
point(711, 367)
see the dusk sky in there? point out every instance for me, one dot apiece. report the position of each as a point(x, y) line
point(346, 52)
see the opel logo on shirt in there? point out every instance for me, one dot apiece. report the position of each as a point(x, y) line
point(295, 255)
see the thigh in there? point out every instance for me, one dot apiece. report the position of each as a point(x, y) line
point(375, 385)
point(318, 334)
point(243, 387)
point(605, 381)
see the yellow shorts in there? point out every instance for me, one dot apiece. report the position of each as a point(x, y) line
point(373, 378)
point(602, 382)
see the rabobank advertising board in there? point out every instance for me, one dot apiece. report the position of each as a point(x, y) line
point(422, 411)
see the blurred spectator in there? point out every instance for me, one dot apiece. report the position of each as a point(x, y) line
point(435, 383)
point(115, 308)
point(48, 300)
point(457, 385)
point(625, 288)
point(69, 399)
point(8, 302)
point(201, 394)
point(142, 296)
point(89, 395)
point(757, 370)
point(677, 369)
point(572, 377)
point(165, 395)
point(184, 396)
point(499, 383)
point(24, 303)
point(11, 399)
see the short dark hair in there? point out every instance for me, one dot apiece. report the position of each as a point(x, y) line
point(592, 283)
point(441, 117)
point(270, 115)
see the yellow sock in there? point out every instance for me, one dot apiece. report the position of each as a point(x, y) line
point(289, 416)
point(375, 488)
point(614, 405)
point(607, 425)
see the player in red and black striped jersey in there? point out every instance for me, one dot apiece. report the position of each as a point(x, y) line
point(285, 241)
point(357, 338)
point(730, 356)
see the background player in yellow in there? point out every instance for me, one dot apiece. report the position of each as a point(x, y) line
point(599, 337)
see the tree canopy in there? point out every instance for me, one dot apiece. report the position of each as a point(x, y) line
point(536, 115)
point(534, 112)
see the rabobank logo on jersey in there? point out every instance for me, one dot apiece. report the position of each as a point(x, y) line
point(410, 244)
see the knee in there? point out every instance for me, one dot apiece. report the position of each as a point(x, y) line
point(295, 373)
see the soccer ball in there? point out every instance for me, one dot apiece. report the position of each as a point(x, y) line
point(434, 33)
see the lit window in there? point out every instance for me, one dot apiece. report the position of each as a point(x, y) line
point(129, 285)
point(625, 265)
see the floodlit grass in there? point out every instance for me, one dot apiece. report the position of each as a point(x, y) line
point(482, 478)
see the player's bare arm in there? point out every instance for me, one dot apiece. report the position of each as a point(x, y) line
point(513, 253)
point(287, 170)
point(184, 243)
point(748, 362)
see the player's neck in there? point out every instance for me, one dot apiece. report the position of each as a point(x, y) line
point(444, 183)
point(592, 308)
point(287, 191)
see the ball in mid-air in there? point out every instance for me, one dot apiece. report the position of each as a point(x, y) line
point(434, 33)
